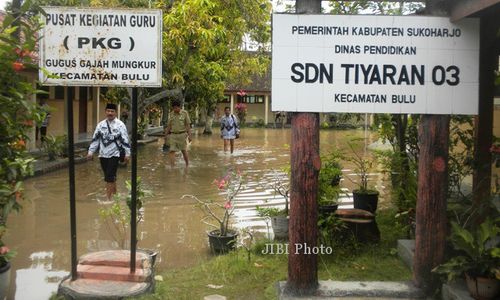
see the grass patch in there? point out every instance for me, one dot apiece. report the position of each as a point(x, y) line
point(241, 279)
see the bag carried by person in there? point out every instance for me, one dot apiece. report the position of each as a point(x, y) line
point(237, 128)
point(120, 148)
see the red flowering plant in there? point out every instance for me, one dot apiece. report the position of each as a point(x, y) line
point(241, 108)
point(495, 151)
point(5, 253)
point(217, 214)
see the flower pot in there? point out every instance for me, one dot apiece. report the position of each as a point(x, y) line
point(4, 280)
point(483, 288)
point(280, 227)
point(366, 201)
point(222, 244)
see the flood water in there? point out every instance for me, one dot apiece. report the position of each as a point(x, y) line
point(41, 232)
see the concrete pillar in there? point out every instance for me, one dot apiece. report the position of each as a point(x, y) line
point(52, 92)
point(232, 103)
point(31, 142)
point(95, 108)
point(266, 113)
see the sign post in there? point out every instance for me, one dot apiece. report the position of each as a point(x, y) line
point(101, 47)
point(374, 64)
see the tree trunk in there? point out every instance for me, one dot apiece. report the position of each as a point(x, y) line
point(165, 106)
point(433, 136)
point(144, 102)
point(303, 228)
point(209, 121)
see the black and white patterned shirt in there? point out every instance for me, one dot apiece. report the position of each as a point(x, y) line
point(105, 142)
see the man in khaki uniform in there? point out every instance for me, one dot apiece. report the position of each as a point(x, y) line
point(178, 128)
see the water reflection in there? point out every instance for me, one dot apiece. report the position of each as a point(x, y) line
point(40, 280)
point(172, 225)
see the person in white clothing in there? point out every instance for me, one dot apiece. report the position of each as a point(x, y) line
point(229, 129)
point(111, 138)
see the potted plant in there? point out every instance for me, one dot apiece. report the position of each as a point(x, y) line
point(218, 214)
point(54, 146)
point(279, 217)
point(5, 256)
point(477, 257)
point(329, 178)
point(365, 197)
point(279, 220)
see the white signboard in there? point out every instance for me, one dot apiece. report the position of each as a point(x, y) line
point(101, 47)
point(375, 64)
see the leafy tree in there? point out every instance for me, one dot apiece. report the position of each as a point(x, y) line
point(202, 47)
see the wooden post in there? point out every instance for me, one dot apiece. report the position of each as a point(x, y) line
point(305, 164)
point(488, 63)
point(433, 136)
point(431, 221)
point(303, 227)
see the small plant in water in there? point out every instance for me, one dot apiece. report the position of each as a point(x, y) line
point(116, 217)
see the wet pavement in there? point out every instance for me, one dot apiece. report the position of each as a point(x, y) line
point(40, 233)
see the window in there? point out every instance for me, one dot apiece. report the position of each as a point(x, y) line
point(253, 99)
point(59, 92)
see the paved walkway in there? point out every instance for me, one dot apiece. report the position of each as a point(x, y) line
point(82, 141)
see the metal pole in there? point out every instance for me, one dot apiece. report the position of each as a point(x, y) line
point(133, 208)
point(72, 202)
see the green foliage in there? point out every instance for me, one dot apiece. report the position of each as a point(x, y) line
point(362, 165)
point(280, 185)
point(202, 45)
point(345, 120)
point(461, 158)
point(141, 127)
point(260, 123)
point(403, 175)
point(374, 7)
point(329, 179)
point(55, 146)
point(478, 252)
point(270, 212)
point(333, 231)
point(116, 216)
point(18, 111)
point(5, 253)
point(240, 279)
